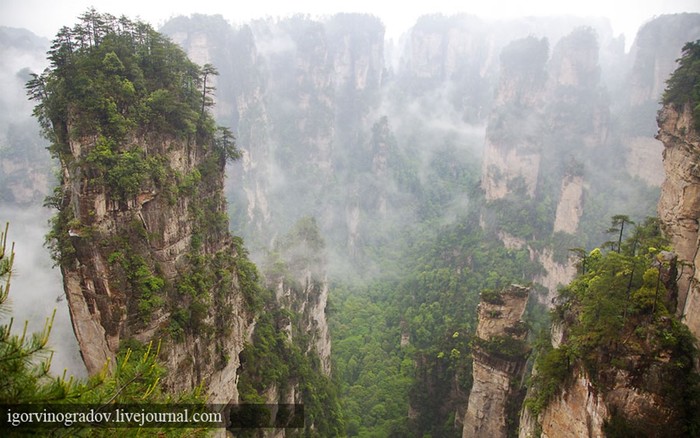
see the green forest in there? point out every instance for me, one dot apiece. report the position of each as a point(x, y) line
point(366, 189)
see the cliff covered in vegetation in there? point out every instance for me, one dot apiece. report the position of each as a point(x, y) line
point(623, 351)
point(679, 205)
point(385, 153)
point(141, 230)
point(389, 184)
point(618, 361)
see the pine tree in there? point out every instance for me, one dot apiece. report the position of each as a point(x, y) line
point(24, 359)
point(25, 365)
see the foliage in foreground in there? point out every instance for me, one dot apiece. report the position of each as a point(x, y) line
point(25, 364)
point(618, 316)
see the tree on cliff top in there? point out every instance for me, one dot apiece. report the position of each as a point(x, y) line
point(618, 319)
point(111, 77)
point(684, 84)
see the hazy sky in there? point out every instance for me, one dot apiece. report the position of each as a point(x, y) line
point(45, 17)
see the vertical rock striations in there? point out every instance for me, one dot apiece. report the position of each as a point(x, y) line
point(141, 233)
point(549, 121)
point(512, 154)
point(499, 357)
point(679, 204)
point(298, 276)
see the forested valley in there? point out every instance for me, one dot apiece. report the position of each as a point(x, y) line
point(381, 197)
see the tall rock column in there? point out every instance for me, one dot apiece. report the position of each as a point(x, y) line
point(141, 232)
point(679, 204)
point(298, 276)
point(499, 353)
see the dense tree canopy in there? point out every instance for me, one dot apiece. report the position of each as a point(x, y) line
point(113, 78)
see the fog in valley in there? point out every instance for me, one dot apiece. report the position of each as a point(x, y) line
point(429, 154)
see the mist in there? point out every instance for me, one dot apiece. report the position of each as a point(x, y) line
point(36, 290)
point(422, 166)
point(26, 177)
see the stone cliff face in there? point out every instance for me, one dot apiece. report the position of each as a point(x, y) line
point(445, 48)
point(512, 151)
point(499, 358)
point(653, 58)
point(570, 206)
point(241, 89)
point(579, 412)
point(535, 147)
point(679, 204)
point(141, 231)
point(656, 48)
point(121, 249)
point(302, 91)
point(586, 407)
point(550, 132)
point(305, 291)
point(298, 277)
point(307, 296)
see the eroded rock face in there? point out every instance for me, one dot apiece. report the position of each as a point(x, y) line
point(123, 251)
point(570, 206)
point(679, 204)
point(555, 273)
point(579, 412)
point(498, 363)
point(513, 150)
point(550, 115)
point(656, 48)
point(283, 88)
point(307, 296)
point(582, 409)
point(643, 159)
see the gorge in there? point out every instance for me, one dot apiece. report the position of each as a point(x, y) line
point(386, 193)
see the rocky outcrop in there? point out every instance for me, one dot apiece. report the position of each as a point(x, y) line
point(549, 136)
point(550, 117)
point(655, 50)
point(679, 204)
point(301, 92)
point(126, 251)
point(441, 48)
point(307, 297)
point(513, 151)
point(261, 50)
point(643, 159)
point(579, 412)
point(141, 232)
point(241, 104)
point(297, 273)
point(584, 409)
point(555, 273)
point(499, 358)
point(570, 206)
